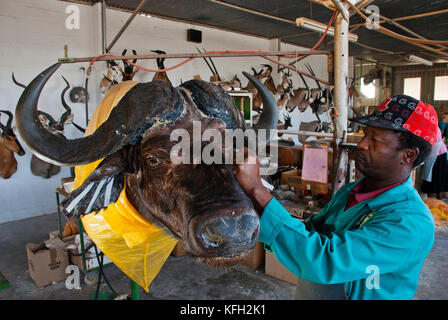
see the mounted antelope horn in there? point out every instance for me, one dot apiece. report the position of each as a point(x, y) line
point(322, 98)
point(16, 82)
point(160, 61)
point(213, 65)
point(111, 63)
point(8, 122)
point(208, 64)
point(140, 109)
point(257, 73)
point(68, 111)
point(304, 82)
point(7, 130)
point(269, 67)
point(313, 74)
point(308, 96)
point(79, 127)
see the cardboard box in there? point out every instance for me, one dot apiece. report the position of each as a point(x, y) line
point(55, 234)
point(315, 187)
point(47, 265)
point(292, 178)
point(276, 270)
point(255, 259)
point(354, 137)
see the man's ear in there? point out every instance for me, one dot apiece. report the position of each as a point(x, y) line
point(102, 187)
point(409, 156)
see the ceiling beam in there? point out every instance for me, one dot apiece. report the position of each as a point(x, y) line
point(398, 25)
point(258, 13)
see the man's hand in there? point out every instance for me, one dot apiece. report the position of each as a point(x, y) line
point(248, 176)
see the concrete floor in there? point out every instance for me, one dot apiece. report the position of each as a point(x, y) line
point(181, 277)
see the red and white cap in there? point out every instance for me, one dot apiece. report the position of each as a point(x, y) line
point(404, 113)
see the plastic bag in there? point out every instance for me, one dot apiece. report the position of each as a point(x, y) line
point(136, 246)
point(438, 207)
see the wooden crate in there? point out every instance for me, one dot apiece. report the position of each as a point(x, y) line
point(274, 269)
point(255, 259)
point(292, 178)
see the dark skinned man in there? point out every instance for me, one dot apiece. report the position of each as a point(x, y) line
point(372, 238)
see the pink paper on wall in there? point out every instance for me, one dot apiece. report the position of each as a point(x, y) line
point(315, 164)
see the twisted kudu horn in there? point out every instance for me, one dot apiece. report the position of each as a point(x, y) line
point(68, 110)
point(17, 82)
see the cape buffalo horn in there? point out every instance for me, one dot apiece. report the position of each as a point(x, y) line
point(51, 148)
point(269, 115)
point(121, 128)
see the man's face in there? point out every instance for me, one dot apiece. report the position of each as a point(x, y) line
point(378, 155)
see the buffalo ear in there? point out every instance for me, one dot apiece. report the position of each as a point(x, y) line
point(101, 188)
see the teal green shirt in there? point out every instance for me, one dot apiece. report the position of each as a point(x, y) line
point(376, 248)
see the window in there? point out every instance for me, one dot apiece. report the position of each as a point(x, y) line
point(441, 88)
point(411, 87)
point(368, 90)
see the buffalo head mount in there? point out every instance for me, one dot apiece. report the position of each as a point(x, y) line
point(200, 204)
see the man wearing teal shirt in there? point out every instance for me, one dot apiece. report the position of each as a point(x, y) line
point(372, 238)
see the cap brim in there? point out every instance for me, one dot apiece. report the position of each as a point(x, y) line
point(378, 122)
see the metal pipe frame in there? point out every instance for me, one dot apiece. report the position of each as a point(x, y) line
point(123, 28)
point(198, 55)
point(103, 26)
point(341, 76)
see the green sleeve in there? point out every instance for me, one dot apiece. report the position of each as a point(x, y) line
point(386, 242)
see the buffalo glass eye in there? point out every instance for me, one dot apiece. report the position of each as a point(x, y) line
point(153, 161)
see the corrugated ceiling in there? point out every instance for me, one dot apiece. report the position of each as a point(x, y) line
point(209, 13)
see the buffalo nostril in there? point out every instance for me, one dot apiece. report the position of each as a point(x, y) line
point(231, 231)
point(212, 235)
point(254, 236)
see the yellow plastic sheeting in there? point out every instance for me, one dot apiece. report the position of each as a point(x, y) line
point(438, 207)
point(136, 246)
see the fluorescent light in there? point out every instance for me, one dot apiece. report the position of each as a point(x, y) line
point(320, 27)
point(419, 60)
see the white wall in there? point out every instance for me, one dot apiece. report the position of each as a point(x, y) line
point(33, 38)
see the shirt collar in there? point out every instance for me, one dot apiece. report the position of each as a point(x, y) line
point(394, 194)
point(363, 196)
